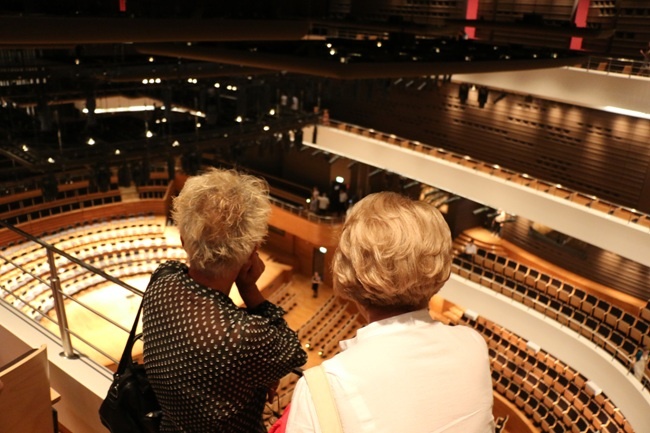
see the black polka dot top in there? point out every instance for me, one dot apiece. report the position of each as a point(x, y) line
point(211, 363)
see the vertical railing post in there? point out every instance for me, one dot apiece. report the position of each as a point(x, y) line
point(57, 294)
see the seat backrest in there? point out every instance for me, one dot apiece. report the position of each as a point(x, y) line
point(25, 398)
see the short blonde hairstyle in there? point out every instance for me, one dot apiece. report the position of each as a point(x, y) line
point(222, 216)
point(393, 252)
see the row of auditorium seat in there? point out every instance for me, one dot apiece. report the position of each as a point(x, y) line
point(329, 325)
point(36, 299)
point(284, 297)
point(122, 245)
point(611, 328)
point(628, 215)
point(550, 393)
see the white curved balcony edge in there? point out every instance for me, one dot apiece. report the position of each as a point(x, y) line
point(581, 222)
point(563, 343)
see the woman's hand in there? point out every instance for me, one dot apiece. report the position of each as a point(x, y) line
point(246, 280)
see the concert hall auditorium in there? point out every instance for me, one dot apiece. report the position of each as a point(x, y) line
point(525, 123)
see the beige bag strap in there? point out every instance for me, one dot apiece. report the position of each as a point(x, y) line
point(321, 395)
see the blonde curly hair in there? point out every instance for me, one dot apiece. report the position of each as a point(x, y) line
point(393, 252)
point(222, 216)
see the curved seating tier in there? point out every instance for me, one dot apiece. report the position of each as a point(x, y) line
point(617, 331)
point(549, 392)
point(123, 247)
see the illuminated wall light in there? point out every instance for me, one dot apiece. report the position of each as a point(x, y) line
point(228, 87)
point(158, 80)
point(51, 160)
point(234, 88)
point(91, 142)
point(198, 124)
point(217, 85)
point(85, 111)
point(175, 143)
point(238, 119)
point(339, 179)
point(322, 250)
point(117, 151)
point(272, 112)
point(77, 61)
point(151, 59)
point(145, 81)
point(328, 45)
point(332, 52)
point(149, 134)
point(266, 128)
point(25, 148)
point(378, 44)
point(163, 120)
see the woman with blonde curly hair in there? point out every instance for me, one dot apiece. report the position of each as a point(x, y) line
point(211, 364)
point(404, 371)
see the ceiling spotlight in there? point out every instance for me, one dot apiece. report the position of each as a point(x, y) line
point(25, 148)
point(51, 160)
point(175, 143)
point(238, 119)
point(151, 59)
point(117, 151)
point(272, 112)
point(217, 85)
point(91, 142)
point(149, 134)
point(266, 127)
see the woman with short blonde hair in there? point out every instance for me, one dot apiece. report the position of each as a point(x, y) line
point(212, 364)
point(222, 216)
point(393, 252)
point(404, 371)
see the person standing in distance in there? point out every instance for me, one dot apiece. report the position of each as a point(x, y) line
point(212, 365)
point(404, 371)
point(315, 284)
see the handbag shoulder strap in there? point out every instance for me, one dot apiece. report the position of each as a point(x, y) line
point(128, 348)
point(321, 394)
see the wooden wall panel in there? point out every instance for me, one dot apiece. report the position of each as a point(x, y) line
point(591, 151)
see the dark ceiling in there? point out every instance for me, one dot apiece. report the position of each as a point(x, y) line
point(237, 59)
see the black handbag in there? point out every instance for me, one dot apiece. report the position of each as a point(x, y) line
point(130, 405)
